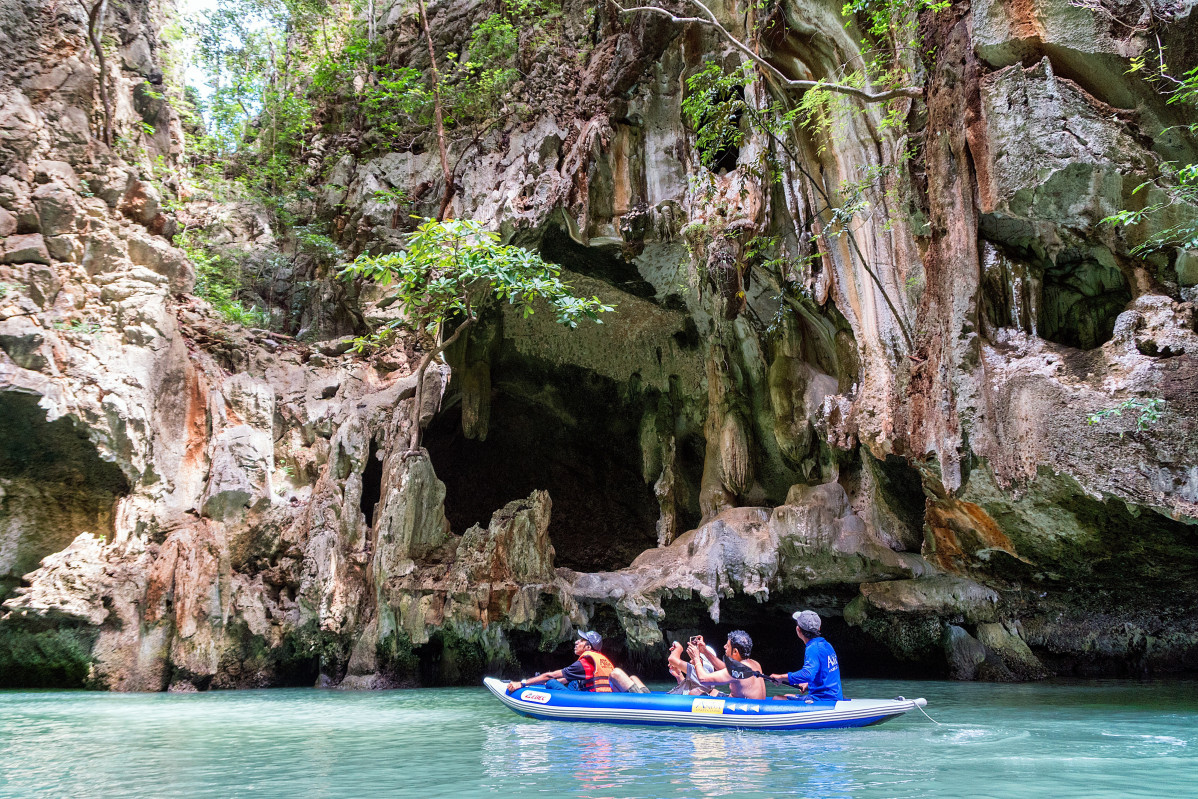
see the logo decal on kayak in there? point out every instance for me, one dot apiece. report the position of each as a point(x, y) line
point(714, 707)
point(540, 697)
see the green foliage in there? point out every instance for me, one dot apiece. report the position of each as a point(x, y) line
point(218, 280)
point(78, 327)
point(1177, 209)
point(259, 112)
point(396, 196)
point(892, 40)
point(1147, 413)
point(895, 19)
point(398, 103)
point(8, 288)
point(713, 105)
point(312, 240)
point(54, 658)
point(449, 269)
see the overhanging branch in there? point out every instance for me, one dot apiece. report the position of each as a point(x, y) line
point(710, 20)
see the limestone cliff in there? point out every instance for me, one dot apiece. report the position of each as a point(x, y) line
point(906, 448)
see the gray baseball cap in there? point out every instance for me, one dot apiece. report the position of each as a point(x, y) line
point(592, 638)
point(808, 620)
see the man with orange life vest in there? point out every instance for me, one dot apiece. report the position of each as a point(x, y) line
point(591, 672)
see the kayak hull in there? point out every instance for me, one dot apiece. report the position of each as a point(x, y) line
point(697, 711)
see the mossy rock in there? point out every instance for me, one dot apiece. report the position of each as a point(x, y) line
point(396, 657)
point(45, 658)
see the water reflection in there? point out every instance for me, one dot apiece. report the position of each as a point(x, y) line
point(595, 761)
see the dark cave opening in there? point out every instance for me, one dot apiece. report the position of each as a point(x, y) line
point(604, 263)
point(1069, 298)
point(902, 497)
point(53, 486)
point(372, 483)
point(575, 436)
point(1081, 300)
point(719, 150)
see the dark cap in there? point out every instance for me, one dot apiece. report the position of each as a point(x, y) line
point(592, 638)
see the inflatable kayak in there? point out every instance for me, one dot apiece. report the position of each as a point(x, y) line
point(698, 711)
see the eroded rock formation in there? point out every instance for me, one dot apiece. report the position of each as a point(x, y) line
point(906, 448)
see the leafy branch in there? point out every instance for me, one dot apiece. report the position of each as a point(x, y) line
point(716, 99)
point(448, 271)
point(1148, 412)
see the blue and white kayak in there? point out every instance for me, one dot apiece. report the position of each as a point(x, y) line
point(698, 711)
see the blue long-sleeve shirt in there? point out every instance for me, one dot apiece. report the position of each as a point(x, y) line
point(821, 672)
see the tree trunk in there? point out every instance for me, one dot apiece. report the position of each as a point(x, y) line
point(95, 33)
point(446, 172)
point(414, 441)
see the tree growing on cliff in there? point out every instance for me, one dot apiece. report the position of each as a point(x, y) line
point(96, 11)
point(448, 271)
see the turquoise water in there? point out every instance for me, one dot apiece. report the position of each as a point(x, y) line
point(1043, 740)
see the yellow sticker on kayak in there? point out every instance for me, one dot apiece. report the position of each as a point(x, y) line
point(713, 706)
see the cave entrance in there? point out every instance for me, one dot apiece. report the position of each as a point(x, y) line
point(568, 432)
point(606, 263)
point(53, 486)
point(1070, 299)
point(1081, 301)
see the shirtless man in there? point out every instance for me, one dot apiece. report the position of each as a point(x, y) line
point(737, 668)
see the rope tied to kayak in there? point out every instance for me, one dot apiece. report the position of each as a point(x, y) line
point(921, 710)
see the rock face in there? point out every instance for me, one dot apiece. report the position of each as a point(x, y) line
point(907, 447)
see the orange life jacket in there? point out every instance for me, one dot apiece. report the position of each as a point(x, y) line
point(598, 669)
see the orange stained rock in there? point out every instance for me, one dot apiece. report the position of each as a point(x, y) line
point(959, 531)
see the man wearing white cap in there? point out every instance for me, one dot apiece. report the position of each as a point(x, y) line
point(820, 675)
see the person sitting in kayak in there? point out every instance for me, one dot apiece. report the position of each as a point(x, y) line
point(591, 672)
point(685, 673)
point(743, 674)
point(820, 675)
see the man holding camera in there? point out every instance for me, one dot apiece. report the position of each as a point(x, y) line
point(743, 674)
point(685, 673)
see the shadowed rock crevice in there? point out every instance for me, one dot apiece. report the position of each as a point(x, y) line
point(1082, 298)
point(1101, 555)
point(53, 486)
point(372, 483)
point(604, 263)
point(1069, 298)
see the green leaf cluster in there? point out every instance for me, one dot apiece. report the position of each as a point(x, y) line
point(451, 269)
point(1177, 183)
point(1147, 412)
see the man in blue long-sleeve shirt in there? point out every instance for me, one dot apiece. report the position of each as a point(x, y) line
point(820, 674)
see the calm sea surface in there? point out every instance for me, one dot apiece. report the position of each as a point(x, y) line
point(1044, 740)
